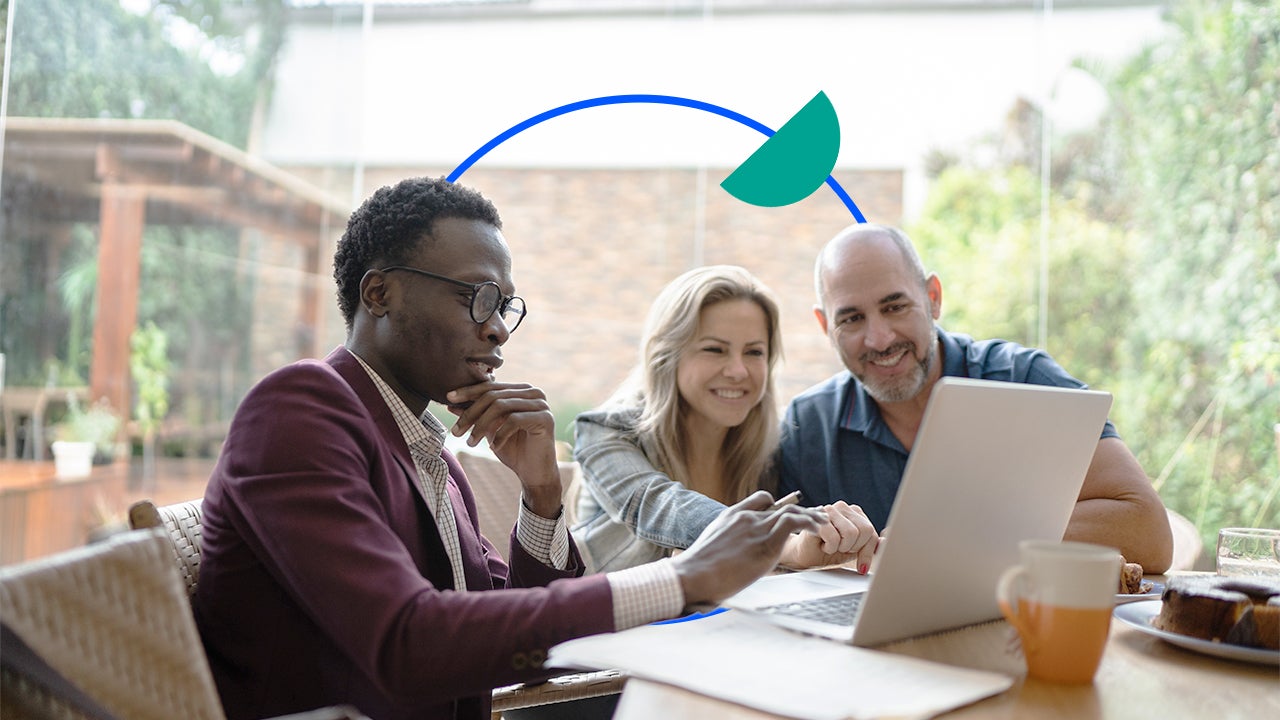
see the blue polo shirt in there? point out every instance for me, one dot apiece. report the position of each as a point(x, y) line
point(835, 446)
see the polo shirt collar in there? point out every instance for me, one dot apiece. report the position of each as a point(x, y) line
point(954, 363)
point(860, 412)
point(862, 415)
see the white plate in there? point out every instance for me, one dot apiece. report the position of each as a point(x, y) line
point(1140, 614)
point(1157, 589)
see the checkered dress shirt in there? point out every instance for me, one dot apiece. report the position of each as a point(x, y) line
point(425, 437)
point(640, 594)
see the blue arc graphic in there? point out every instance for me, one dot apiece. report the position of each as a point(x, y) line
point(625, 99)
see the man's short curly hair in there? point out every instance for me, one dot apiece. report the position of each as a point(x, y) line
point(387, 228)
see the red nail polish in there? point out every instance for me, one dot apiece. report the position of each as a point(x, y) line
point(862, 568)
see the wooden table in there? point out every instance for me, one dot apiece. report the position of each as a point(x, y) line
point(1140, 677)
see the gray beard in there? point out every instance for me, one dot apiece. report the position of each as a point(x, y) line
point(910, 386)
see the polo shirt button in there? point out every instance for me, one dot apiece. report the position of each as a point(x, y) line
point(537, 658)
point(519, 661)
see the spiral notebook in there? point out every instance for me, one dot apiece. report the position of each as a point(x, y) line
point(994, 463)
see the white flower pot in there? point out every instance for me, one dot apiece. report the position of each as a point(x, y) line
point(72, 460)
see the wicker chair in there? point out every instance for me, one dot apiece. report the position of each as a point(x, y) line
point(559, 689)
point(497, 492)
point(181, 522)
point(1187, 545)
point(112, 623)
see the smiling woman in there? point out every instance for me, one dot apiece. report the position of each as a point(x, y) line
point(721, 376)
point(692, 430)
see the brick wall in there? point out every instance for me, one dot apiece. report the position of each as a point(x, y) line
point(591, 249)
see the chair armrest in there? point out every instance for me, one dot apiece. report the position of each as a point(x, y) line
point(144, 514)
point(574, 686)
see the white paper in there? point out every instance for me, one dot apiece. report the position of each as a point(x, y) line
point(733, 657)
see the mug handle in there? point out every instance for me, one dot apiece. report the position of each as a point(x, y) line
point(1009, 594)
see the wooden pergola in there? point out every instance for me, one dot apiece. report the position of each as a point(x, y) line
point(118, 173)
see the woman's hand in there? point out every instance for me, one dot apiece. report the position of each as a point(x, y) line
point(847, 538)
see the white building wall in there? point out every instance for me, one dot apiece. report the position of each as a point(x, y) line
point(431, 91)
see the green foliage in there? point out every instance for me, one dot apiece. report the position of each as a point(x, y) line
point(977, 232)
point(566, 414)
point(149, 365)
point(980, 232)
point(98, 424)
point(193, 290)
point(78, 286)
point(1196, 136)
point(1164, 259)
point(91, 58)
point(29, 313)
point(189, 290)
point(4, 22)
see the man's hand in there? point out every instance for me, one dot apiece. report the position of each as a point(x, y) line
point(740, 546)
point(847, 537)
point(517, 421)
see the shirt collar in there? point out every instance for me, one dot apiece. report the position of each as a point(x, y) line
point(954, 363)
point(423, 433)
point(861, 413)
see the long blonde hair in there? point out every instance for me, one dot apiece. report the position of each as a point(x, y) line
point(669, 330)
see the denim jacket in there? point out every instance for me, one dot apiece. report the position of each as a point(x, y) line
point(629, 512)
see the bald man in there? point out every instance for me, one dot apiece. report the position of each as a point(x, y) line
point(849, 437)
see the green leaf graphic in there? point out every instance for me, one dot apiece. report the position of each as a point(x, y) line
point(792, 163)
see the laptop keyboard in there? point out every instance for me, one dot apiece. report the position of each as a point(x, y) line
point(837, 609)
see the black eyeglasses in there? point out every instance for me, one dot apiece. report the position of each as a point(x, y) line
point(486, 299)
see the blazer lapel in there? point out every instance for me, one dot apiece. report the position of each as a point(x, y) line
point(358, 379)
point(354, 373)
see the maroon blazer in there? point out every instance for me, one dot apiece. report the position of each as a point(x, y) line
point(323, 578)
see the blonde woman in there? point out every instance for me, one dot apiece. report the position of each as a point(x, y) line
point(692, 430)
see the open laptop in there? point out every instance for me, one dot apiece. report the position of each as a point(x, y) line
point(994, 463)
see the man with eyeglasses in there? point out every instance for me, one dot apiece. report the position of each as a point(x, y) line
point(342, 560)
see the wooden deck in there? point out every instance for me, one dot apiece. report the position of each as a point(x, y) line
point(41, 515)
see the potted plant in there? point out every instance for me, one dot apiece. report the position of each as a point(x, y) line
point(83, 436)
point(149, 365)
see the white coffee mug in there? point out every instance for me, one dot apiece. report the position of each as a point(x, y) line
point(1060, 600)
